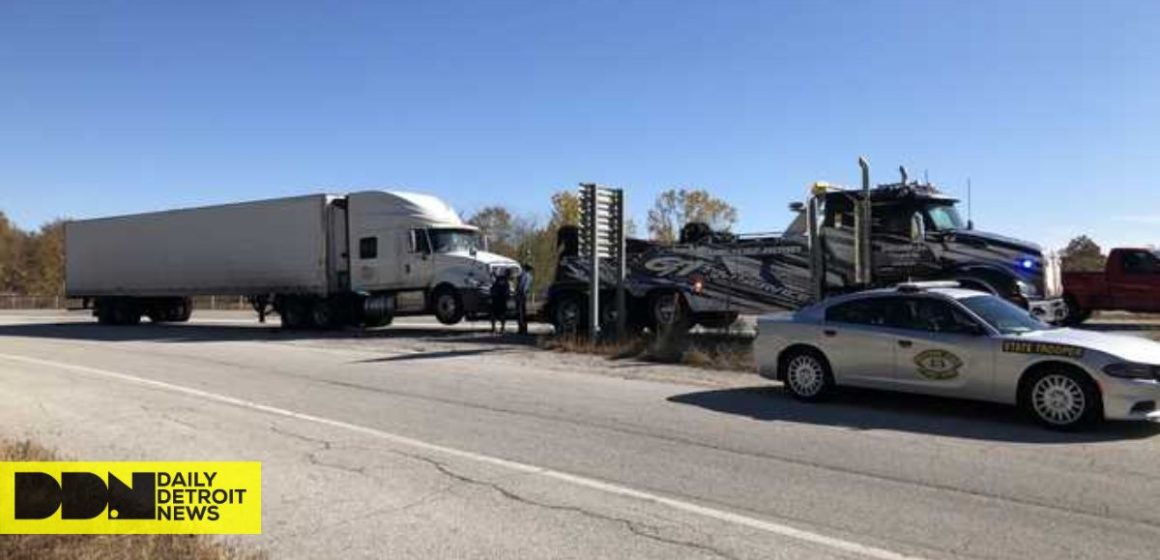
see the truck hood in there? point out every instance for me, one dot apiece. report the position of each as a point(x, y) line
point(975, 236)
point(1129, 348)
point(490, 259)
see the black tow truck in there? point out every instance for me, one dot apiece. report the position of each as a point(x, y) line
point(840, 240)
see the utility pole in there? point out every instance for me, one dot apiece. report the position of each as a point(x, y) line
point(602, 239)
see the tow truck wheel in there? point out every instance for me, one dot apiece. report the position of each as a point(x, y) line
point(448, 306)
point(1060, 398)
point(807, 375)
point(568, 316)
point(669, 312)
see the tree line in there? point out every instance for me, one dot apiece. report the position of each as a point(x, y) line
point(32, 262)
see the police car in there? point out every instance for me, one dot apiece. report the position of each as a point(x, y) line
point(936, 338)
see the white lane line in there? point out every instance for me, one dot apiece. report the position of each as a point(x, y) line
point(609, 487)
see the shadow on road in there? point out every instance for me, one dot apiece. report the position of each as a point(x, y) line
point(860, 409)
point(431, 355)
point(177, 332)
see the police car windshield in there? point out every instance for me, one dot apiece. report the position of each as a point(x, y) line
point(1006, 317)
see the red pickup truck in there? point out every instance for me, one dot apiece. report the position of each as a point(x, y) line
point(1130, 282)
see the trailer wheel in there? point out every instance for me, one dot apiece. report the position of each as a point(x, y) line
point(294, 313)
point(322, 314)
point(448, 305)
point(125, 313)
point(182, 309)
point(669, 313)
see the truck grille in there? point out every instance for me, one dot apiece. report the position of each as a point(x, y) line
point(1052, 280)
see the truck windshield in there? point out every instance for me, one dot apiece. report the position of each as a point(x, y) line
point(1006, 317)
point(943, 217)
point(455, 240)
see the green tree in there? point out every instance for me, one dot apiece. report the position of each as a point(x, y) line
point(497, 223)
point(12, 243)
point(44, 261)
point(674, 208)
point(565, 210)
point(1083, 255)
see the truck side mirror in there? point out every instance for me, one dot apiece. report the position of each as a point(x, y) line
point(917, 228)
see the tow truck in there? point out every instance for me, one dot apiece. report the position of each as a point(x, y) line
point(840, 240)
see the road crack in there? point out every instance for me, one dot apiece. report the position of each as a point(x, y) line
point(637, 528)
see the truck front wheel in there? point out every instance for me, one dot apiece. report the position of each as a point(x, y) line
point(568, 313)
point(1075, 313)
point(448, 305)
point(669, 312)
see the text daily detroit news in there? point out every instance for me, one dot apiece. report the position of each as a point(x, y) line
point(130, 497)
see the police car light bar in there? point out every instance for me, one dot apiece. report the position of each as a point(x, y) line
point(921, 286)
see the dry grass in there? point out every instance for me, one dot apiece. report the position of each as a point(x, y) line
point(105, 547)
point(716, 352)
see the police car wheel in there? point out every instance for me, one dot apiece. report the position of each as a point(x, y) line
point(807, 376)
point(1062, 399)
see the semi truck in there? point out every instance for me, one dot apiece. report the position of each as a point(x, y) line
point(1130, 282)
point(839, 240)
point(321, 260)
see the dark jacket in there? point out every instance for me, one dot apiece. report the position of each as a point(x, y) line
point(500, 290)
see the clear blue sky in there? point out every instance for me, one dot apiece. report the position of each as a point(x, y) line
point(1051, 108)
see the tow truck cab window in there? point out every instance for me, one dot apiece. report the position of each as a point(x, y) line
point(892, 218)
point(839, 212)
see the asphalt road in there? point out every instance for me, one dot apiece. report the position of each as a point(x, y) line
point(421, 442)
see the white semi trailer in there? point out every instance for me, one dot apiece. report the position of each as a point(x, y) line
point(318, 260)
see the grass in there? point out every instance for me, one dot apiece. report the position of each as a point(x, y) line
point(707, 351)
point(102, 547)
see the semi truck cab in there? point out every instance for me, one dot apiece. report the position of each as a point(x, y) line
point(415, 243)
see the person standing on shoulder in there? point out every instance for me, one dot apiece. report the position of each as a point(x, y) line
point(500, 291)
point(523, 291)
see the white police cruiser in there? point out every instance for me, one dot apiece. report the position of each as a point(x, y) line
point(936, 338)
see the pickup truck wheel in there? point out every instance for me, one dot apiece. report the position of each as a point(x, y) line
point(448, 306)
point(1060, 398)
point(808, 376)
point(1075, 313)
